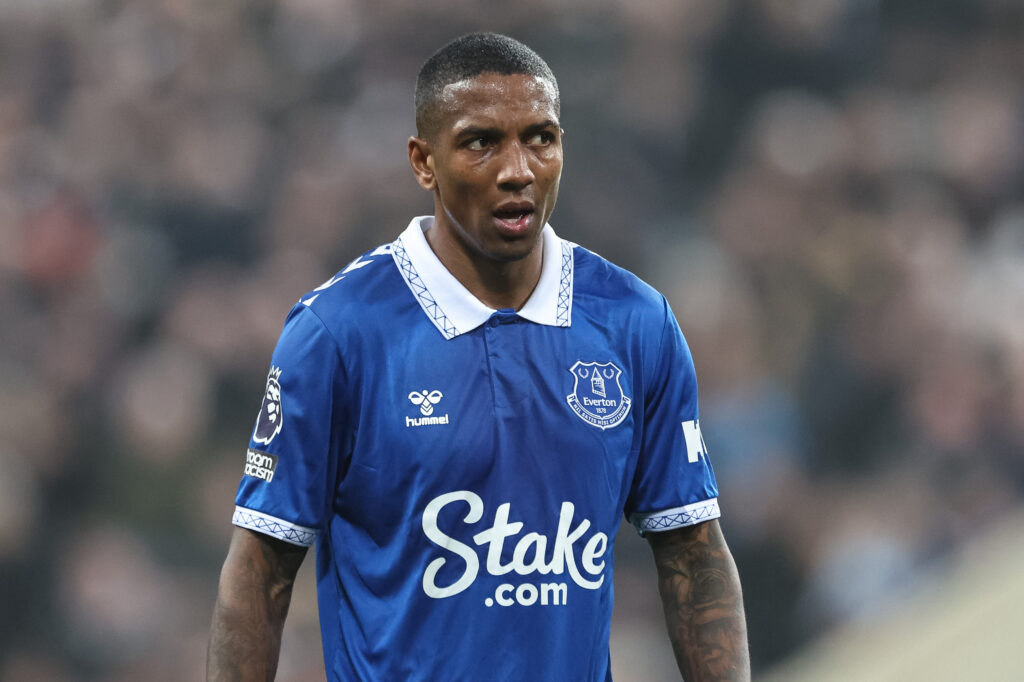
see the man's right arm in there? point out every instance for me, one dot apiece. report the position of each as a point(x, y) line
point(252, 602)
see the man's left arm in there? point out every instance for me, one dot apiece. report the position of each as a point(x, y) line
point(700, 590)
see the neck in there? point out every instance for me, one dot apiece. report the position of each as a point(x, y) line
point(495, 283)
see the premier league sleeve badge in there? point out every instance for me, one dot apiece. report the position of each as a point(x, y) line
point(597, 396)
point(271, 416)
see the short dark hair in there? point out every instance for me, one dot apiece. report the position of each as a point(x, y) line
point(469, 56)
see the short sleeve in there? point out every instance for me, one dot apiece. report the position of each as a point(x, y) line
point(674, 484)
point(291, 462)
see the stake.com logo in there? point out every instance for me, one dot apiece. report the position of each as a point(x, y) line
point(529, 556)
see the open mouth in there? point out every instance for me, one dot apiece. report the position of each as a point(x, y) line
point(514, 217)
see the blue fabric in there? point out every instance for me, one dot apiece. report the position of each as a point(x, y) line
point(465, 493)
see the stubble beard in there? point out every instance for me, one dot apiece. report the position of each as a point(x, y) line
point(471, 247)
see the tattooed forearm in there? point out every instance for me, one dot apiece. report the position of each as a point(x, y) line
point(252, 602)
point(700, 590)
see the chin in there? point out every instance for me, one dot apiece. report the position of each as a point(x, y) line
point(515, 250)
point(510, 257)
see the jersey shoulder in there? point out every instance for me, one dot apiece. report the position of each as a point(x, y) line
point(359, 292)
point(598, 281)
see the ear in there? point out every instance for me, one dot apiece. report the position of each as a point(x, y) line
point(422, 162)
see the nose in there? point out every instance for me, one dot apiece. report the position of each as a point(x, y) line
point(515, 172)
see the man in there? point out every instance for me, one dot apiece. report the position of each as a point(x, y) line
point(460, 418)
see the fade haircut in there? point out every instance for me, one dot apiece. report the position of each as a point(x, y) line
point(469, 56)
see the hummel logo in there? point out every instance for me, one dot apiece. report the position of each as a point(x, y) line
point(425, 400)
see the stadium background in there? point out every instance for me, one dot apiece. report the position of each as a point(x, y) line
point(829, 192)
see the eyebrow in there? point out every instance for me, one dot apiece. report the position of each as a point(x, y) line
point(478, 131)
point(491, 131)
point(546, 123)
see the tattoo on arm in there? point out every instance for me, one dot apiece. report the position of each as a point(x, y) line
point(252, 602)
point(700, 590)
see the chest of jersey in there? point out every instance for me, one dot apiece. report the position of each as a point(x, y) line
point(513, 411)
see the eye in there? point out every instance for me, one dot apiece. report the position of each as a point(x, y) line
point(541, 139)
point(477, 144)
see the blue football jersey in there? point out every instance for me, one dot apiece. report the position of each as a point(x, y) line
point(463, 470)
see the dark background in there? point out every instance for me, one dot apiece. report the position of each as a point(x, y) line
point(828, 191)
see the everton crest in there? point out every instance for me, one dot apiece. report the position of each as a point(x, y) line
point(271, 417)
point(597, 396)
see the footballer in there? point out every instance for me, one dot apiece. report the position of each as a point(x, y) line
point(460, 418)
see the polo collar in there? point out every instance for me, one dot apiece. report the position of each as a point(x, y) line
point(454, 310)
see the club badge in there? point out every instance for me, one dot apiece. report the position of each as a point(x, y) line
point(597, 396)
point(271, 417)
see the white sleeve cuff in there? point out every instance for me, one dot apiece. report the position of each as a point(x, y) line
point(273, 526)
point(678, 517)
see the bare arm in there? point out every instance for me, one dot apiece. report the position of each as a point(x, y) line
point(700, 590)
point(252, 602)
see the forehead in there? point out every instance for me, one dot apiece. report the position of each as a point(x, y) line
point(497, 99)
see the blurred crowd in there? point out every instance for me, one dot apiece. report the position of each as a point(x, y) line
point(830, 193)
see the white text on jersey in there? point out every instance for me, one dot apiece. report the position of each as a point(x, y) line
point(695, 447)
point(529, 556)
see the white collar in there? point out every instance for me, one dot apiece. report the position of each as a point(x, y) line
point(454, 310)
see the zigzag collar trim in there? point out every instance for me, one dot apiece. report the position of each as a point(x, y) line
point(454, 310)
